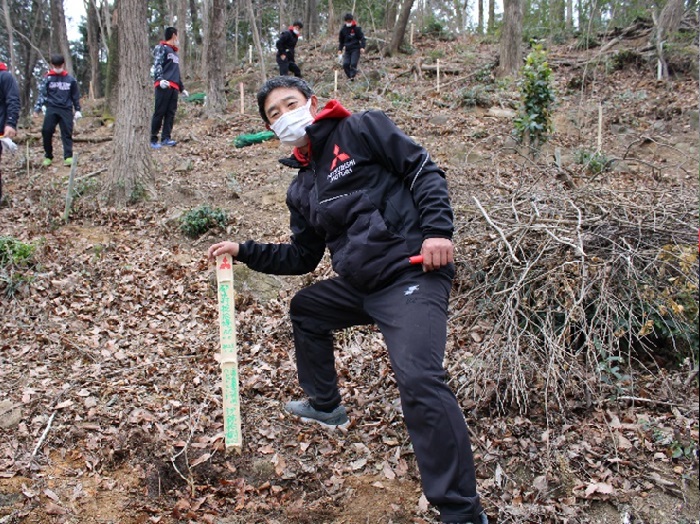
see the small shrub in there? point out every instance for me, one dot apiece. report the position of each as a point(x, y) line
point(534, 121)
point(15, 258)
point(585, 41)
point(625, 58)
point(479, 95)
point(595, 163)
point(13, 252)
point(200, 220)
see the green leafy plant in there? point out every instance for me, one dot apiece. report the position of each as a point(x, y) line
point(534, 121)
point(14, 252)
point(198, 221)
point(595, 162)
point(15, 258)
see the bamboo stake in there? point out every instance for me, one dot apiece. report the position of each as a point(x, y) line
point(600, 126)
point(411, 35)
point(240, 85)
point(335, 81)
point(438, 75)
point(250, 54)
point(229, 354)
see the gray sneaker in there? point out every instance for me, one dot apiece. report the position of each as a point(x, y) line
point(304, 410)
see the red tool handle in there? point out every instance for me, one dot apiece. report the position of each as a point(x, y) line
point(415, 259)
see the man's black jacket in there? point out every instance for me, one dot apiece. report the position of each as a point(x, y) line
point(286, 44)
point(369, 193)
point(9, 99)
point(351, 38)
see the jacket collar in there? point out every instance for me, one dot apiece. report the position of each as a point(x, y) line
point(3, 66)
point(174, 47)
point(325, 120)
point(54, 73)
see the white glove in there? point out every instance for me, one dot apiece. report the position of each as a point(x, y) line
point(78, 116)
point(340, 59)
point(164, 84)
point(8, 146)
point(43, 109)
point(185, 93)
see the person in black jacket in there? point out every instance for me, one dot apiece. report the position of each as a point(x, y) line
point(9, 110)
point(58, 96)
point(285, 49)
point(352, 40)
point(374, 198)
point(168, 85)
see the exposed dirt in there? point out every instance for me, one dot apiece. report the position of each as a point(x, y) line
point(110, 408)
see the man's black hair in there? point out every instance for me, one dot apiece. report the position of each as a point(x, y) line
point(277, 82)
point(57, 60)
point(348, 17)
point(298, 23)
point(169, 32)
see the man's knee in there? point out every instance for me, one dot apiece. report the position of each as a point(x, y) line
point(301, 304)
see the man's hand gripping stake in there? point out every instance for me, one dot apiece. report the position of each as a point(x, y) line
point(229, 353)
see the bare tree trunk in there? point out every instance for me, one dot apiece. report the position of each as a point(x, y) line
point(182, 7)
point(668, 22)
point(459, 15)
point(399, 30)
point(196, 26)
point(392, 8)
point(569, 15)
point(113, 59)
point(511, 36)
point(10, 37)
point(131, 175)
point(93, 37)
point(30, 54)
point(491, 24)
point(311, 17)
point(59, 36)
point(332, 23)
point(236, 32)
point(216, 50)
point(480, 23)
point(107, 19)
point(256, 39)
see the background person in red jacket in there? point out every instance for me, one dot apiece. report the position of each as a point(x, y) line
point(58, 96)
point(286, 44)
point(352, 41)
point(168, 85)
point(373, 197)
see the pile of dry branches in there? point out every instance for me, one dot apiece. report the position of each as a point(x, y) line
point(573, 291)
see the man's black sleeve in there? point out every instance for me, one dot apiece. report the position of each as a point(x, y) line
point(400, 155)
point(301, 255)
point(11, 100)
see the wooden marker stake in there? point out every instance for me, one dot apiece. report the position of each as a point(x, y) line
point(438, 75)
point(335, 82)
point(242, 97)
point(229, 354)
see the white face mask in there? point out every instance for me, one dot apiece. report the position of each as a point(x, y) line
point(58, 69)
point(290, 128)
point(348, 24)
point(296, 31)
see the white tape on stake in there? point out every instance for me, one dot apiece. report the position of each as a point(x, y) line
point(229, 354)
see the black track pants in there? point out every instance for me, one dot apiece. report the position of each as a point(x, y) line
point(286, 66)
point(411, 313)
point(350, 60)
point(164, 114)
point(63, 118)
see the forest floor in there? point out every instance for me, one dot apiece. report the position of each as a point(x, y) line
point(110, 397)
